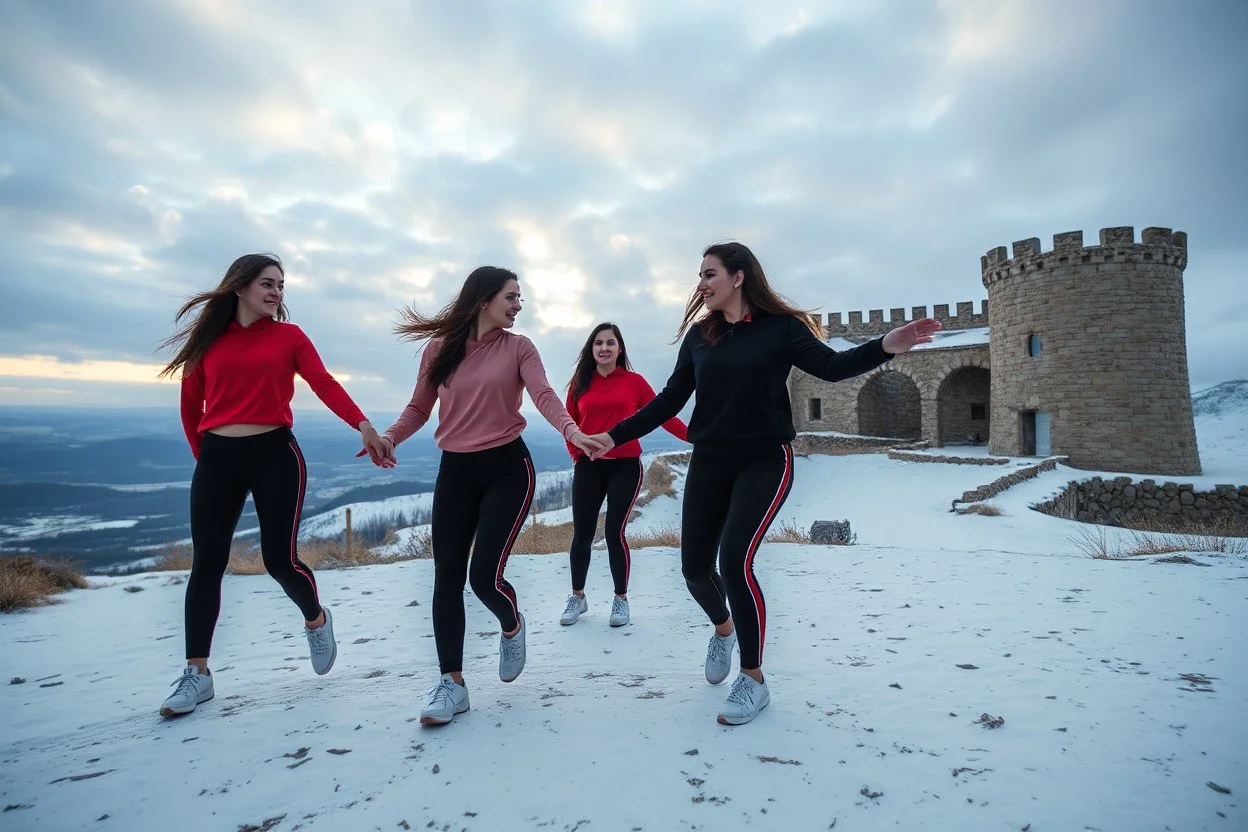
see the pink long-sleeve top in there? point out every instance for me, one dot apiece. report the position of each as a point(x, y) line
point(480, 408)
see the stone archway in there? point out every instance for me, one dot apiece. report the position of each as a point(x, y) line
point(889, 405)
point(962, 402)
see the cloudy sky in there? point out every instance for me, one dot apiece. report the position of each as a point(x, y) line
point(868, 151)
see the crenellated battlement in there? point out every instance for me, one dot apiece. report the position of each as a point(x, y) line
point(1157, 246)
point(876, 325)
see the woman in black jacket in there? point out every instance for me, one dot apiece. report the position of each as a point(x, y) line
point(741, 339)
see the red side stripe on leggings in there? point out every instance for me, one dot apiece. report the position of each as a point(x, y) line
point(294, 529)
point(511, 540)
point(757, 540)
point(628, 555)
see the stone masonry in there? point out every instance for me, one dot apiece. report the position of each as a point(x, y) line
point(926, 394)
point(1088, 339)
point(1111, 368)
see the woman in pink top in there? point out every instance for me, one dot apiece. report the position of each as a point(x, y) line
point(477, 371)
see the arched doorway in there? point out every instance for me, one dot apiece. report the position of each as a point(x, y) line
point(962, 407)
point(889, 405)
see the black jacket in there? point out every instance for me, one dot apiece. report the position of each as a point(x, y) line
point(741, 382)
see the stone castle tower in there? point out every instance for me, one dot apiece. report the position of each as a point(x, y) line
point(1089, 353)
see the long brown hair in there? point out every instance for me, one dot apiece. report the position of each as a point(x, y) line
point(586, 366)
point(219, 306)
point(759, 296)
point(453, 324)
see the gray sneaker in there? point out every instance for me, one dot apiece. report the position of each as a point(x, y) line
point(321, 643)
point(445, 701)
point(511, 654)
point(719, 657)
point(577, 606)
point(619, 612)
point(745, 700)
point(193, 688)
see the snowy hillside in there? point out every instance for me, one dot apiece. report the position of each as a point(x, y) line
point(1122, 686)
point(1221, 414)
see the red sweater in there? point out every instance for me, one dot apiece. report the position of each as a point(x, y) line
point(609, 400)
point(247, 377)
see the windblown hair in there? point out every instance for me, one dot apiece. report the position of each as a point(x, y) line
point(586, 366)
point(759, 296)
point(453, 324)
point(216, 309)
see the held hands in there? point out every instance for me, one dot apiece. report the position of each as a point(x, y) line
point(379, 449)
point(604, 441)
point(903, 338)
point(591, 445)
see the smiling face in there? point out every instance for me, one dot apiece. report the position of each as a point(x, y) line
point(262, 297)
point(501, 310)
point(717, 287)
point(606, 349)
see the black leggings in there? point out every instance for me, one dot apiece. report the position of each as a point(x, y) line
point(270, 466)
point(486, 495)
point(730, 501)
point(619, 481)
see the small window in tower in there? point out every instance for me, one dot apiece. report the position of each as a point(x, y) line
point(1033, 345)
point(816, 409)
point(979, 412)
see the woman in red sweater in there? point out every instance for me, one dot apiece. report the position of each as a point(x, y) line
point(238, 360)
point(604, 391)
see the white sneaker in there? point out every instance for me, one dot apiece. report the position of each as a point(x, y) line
point(445, 701)
point(511, 654)
point(577, 606)
point(719, 657)
point(193, 688)
point(619, 612)
point(324, 650)
point(745, 700)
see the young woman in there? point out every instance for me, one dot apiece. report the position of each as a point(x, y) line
point(476, 370)
point(603, 390)
point(238, 360)
point(741, 340)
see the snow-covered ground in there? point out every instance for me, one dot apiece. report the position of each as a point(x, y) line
point(1122, 685)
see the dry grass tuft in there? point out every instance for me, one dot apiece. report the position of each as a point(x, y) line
point(538, 538)
point(27, 581)
point(657, 482)
point(1144, 541)
point(984, 509)
point(245, 557)
point(787, 532)
point(668, 535)
point(1215, 536)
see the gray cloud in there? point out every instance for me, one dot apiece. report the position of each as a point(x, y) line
point(385, 151)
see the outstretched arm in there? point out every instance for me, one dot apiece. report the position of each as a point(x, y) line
point(533, 375)
point(810, 355)
point(309, 366)
point(574, 410)
point(663, 407)
point(674, 425)
point(420, 408)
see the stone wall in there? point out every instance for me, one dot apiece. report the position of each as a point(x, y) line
point(1010, 480)
point(806, 443)
point(875, 325)
point(884, 399)
point(907, 456)
point(1123, 501)
point(1112, 365)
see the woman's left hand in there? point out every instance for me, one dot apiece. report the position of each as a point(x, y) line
point(903, 338)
